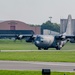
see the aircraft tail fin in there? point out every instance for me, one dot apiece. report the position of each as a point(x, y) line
point(69, 28)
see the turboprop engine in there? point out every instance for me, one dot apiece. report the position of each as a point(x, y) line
point(63, 37)
point(18, 37)
point(72, 40)
point(60, 44)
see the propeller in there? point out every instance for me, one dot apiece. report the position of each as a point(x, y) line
point(30, 39)
point(18, 37)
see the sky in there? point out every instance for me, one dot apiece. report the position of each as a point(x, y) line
point(36, 11)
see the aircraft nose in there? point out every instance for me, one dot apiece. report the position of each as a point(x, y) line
point(37, 42)
point(42, 40)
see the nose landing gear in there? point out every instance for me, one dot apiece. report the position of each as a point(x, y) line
point(39, 48)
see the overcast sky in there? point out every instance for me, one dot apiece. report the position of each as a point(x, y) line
point(36, 11)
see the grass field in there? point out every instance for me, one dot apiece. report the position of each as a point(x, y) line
point(6, 72)
point(49, 56)
point(18, 45)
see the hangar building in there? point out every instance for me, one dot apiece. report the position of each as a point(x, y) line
point(14, 25)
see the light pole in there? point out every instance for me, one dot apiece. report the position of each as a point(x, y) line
point(50, 18)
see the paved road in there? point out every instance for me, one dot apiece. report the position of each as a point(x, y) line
point(25, 65)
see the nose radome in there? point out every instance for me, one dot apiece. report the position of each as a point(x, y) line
point(37, 42)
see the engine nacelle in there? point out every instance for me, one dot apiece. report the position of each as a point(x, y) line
point(29, 39)
point(72, 40)
point(18, 37)
point(63, 37)
point(60, 44)
point(63, 43)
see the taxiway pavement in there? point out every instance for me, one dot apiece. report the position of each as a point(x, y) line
point(31, 65)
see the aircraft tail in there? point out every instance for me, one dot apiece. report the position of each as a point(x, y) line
point(69, 27)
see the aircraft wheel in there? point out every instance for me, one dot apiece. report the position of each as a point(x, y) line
point(45, 48)
point(39, 48)
point(58, 48)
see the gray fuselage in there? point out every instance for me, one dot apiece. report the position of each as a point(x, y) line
point(45, 41)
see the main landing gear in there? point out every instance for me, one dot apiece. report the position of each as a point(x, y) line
point(58, 48)
point(43, 48)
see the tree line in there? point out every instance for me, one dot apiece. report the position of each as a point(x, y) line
point(50, 26)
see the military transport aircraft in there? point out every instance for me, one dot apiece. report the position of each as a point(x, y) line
point(49, 41)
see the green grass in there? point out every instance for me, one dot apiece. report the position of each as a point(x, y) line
point(50, 56)
point(47, 56)
point(18, 45)
point(9, 72)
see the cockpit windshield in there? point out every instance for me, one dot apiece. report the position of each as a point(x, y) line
point(38, 38)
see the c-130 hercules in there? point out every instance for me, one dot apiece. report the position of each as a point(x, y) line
point(54, 41)
point(50, 41)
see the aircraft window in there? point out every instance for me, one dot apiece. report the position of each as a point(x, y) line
point(38, 38)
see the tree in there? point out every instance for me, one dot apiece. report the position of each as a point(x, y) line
point(50, 26)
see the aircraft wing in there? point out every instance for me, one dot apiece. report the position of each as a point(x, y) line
point(63, 37)
point(28, 37)
point(7, 35)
